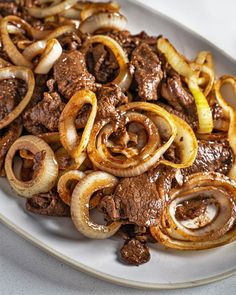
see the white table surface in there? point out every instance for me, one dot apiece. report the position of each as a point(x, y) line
point(24, 269)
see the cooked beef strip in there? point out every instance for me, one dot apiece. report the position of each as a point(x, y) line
point(146, 67)
point(70, 41)
point(48, 204)
point(11, 93)
point(102, 63)
point(179, 97)
point(212, 156)
point(44, 116)
point(71, 74)
point(190, 209)
point(135, 252)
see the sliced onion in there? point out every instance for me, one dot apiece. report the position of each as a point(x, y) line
point(4, 63)
point(64, 192)
point(23, 74)
point(92, 8)
point(124, 78)
point(71, 13)
point(215, 231)
point(180, 65)
point(51, 10)
point(51, 50)
point(150, 154)
point(60, 31)
point(103, 21)
point(46, 176)
point(185, 140)
point(68, 134)
point(80, 205)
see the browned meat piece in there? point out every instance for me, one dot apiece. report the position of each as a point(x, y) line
point(190, 209)
point(44, 116)
point(107, 205)
point(179, 98)
point(135, 252)
point(212, 156)
point(8, 7)
point(71, 74)
point(146, 67)
point(102, 63)
point(221, 122)
point(11, 92)
point(137, 200)
point(130, 42)
point(82, 117)
point(70, 41)
point(48, 204)
point(108, 98)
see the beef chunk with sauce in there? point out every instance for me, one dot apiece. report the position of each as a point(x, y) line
point(214, 156)
point(179, 97)
point(44, 116)
point(146, 67)
point(48, 204)
point(190, 209)
point(135, 252)
point(71, 75)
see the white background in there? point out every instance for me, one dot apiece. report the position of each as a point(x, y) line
point(24, 269)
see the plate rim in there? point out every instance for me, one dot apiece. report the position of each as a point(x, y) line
point(106, 277)
point(98, 274)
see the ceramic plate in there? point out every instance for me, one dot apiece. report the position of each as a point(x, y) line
point(167, 268)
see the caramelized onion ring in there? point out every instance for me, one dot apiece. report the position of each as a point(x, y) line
point(51, 10)
point(137, 164)
point(219, 230)
point(103, 21)
point(46, 175)
point(50, 51)
point(20, 73)
point(80, 205)
point(68, 134)
point(124, 78)
point(62, 188)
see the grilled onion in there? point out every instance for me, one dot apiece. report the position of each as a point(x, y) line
point(80, 205)
point(92, 8)
point(68, 134)
point(180, 65)
point(149, 155)
point(64, 192)
point(51, 10)
point(213, 228)
point(124, 78)
point(50, 51)
point(103, 21)
point(45, 176)
point(20, 73)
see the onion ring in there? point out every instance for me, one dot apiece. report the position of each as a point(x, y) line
point(46, 175)
point(80, 205)
point(68, 134)
point(124, 78)
point(92, 8)
point(20, 73)
point(219, 230)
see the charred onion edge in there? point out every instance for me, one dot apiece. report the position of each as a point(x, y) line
point(103, 20)
point(70, 140)
point(124, 77)
point(180, 65)
point(62, 189)
point(142, 165)
point(23, 74)
point(172, 237)
point(80, 205)
point(46, 177)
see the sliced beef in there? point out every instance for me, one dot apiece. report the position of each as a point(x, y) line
point(221, 122)
point(71, 74)
point(102, 63)
point(109, 97)
point(44, 116)
point(82, 117)
point(179, 97)
point(190, 209)
point(8, 7)
point(214, 156)
point(48, 204)
point(11, 93)
point(70, 41)
point(135, 252)
point(146, 67)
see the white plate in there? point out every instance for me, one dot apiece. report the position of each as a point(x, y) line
point(167, 268)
